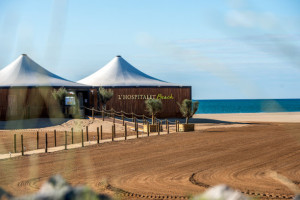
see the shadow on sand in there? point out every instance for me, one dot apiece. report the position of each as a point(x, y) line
point(207, 121)
point(196, 121)
point(210, 121)
point(47, 122)
point(31, 123)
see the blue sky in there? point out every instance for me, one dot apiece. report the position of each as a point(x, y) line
point(231, 49)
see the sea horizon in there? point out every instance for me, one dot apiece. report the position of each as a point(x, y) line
point(215, 106)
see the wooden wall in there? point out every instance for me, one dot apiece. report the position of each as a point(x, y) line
point(20, 103)
point(3, 103)
point(24, 103)
point(132, 99)
point(38, 102)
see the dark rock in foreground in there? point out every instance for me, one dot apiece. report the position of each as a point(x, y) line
point(221, 192)
point(56, 188)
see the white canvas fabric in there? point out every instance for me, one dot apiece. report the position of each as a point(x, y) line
point(24, 72)
point(118, 72)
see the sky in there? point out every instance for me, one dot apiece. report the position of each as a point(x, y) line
point(224, 49)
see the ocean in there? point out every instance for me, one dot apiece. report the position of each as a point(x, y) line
point(248, 106)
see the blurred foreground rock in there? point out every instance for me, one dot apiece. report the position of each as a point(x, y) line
point(221, 192)
point(56, 188)
point(4, 194)
point(297, 197)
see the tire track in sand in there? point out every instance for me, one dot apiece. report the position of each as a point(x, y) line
point(193, 180)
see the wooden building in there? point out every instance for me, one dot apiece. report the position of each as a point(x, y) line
point(132, 87)
point(26, 91)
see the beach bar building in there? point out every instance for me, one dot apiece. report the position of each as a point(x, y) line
point(26, 90)
point(132, 87)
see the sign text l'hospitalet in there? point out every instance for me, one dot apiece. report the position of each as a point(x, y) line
point(144, 97)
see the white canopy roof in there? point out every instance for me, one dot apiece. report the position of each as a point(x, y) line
point(118, 72)
point(24, 72)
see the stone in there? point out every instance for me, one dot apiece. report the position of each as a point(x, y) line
point(4, 194)
point(297, 197)
point(56, 188)
point(221, 192)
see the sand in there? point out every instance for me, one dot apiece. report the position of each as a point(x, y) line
point(29, 129)
point(247, 155)
point(66, 125)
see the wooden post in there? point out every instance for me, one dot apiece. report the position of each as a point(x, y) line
point(158, 127)
point(114, 130)
point(15, 143)
point(168, 130)
point(55, 138)
point(22, 146)
point(123, 118)
point(37, 140)
point(176, 126)
point(167, 123)
point(82, 143)
point(93, 113)
point(148, 129)
point(132, 117)
point(135, 123)
point(137, 129)
point(102, 114)
point(126, 131)
point(66, 140)
point(72, 131)
point(101, 133)
point(46, 143)
point(97, 135)
point(87, 133)
point(112, 133)
point(114, 120)
point(143, 119)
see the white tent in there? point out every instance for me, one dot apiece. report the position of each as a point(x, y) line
point(118, 72)
point(24, 72)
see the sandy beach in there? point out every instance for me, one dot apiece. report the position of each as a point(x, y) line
point(243, 151)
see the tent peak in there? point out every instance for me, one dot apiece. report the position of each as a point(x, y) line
point(24, 72)
point(118, 72)
point(24, 54)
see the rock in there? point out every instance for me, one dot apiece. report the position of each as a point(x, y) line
point(221, 192)
point(56, 188)
point(56, 184)
point(4, 194)
point(297, 197)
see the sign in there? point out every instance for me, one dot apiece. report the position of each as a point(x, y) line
point(144, 97)
point(70, 101)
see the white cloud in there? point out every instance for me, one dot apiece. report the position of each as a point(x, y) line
point(237, 3)
point(250, 19)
